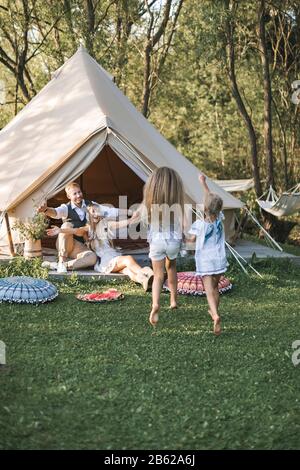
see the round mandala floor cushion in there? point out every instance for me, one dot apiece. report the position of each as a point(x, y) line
point(190, 283)
point(26, 290)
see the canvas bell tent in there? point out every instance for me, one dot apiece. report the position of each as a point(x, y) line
point(82, 127)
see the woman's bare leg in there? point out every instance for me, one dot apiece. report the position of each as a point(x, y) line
point(127, 262)
point(128, 266)
point(172, 281)
point(158, 268)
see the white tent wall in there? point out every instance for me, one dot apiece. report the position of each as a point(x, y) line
point(71, 170)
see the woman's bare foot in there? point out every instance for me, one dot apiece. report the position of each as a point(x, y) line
point(153, 318)
point(173, 305)
point(147, 278)
point(217, 323)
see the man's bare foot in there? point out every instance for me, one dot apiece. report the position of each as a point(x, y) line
point(153, 318)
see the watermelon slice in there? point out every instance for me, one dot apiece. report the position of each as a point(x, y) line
point(106, 296)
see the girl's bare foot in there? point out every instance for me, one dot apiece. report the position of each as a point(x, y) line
point(173, 305)
point(153, 318)
point(217, 326)
point(217, 323)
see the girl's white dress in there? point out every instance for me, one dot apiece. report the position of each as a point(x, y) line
point(210, 253)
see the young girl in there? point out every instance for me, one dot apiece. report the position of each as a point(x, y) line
point(210, 255)
point(162, 211)
point(96, 234)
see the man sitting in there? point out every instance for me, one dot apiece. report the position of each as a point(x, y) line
point(74, 215)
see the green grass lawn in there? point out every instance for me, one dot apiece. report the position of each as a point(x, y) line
point(87, 376)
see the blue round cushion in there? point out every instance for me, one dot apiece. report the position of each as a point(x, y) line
point(26, 290)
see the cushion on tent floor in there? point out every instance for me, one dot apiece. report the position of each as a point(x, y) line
point(26, 290)
point(190, 283)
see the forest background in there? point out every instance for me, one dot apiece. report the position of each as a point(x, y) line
point(214, 77)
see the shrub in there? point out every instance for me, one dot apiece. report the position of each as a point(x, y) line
point(20, 266)
point(32, 229)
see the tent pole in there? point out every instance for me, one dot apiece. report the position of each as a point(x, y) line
point(234, 252)
point(264, 231)
point(9, 236)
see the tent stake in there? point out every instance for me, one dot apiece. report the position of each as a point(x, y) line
point(9, 236)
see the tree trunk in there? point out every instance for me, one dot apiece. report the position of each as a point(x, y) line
point(90, 27)
point(267, 94)
point(240, 104)
point(151, 41)
point(146, 86)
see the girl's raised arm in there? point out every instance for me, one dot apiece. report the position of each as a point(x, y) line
point(202, 180)
point(134, 219)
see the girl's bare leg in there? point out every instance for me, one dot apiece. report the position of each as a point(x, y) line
point(212, 296)
point(216, 278)
point(158, 268)
point(172, 281)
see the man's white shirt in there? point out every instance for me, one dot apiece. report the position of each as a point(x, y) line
point(62, 210)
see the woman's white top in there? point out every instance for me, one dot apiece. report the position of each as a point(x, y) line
point(104, 251)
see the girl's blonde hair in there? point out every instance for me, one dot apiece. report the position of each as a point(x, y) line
point(213, 204)
point(164, 186)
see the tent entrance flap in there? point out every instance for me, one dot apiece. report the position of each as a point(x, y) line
point(104, 180)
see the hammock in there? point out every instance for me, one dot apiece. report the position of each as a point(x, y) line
point(286, 204)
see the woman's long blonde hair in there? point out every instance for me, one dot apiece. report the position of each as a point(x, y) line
point(98, 230)
point(164, 187)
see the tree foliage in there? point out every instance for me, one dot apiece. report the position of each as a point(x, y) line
point(172, 59)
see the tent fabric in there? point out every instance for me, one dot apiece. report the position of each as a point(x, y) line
point(62, 130)
point(236, 185)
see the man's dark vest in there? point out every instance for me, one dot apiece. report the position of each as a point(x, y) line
point(74, 218)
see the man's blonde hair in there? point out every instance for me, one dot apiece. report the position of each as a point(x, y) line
point(213, 204)
point(71, 185)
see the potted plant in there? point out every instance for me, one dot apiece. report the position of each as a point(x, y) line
point(32, 230)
